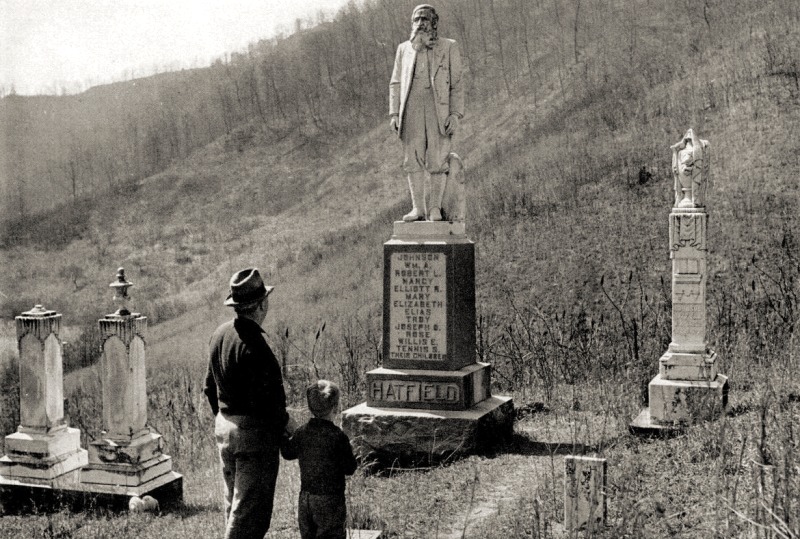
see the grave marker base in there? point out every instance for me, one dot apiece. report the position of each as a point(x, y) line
point(688, 366)
point(687, 401)
point(677, 404)
point(391, 436)
point(424, 389)
point(18, 497)
point(51, 471)
point(47, 457)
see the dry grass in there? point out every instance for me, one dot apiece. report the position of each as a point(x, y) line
point(572, 291)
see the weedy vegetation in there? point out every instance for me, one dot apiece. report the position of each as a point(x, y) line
point(572, 108)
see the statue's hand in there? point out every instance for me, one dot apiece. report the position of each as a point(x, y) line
point(451, 124)
point(394, 125)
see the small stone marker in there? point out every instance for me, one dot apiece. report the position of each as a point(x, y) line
point(584, 493)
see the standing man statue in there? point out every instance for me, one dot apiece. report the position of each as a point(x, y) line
point(426, 102)
point(244, 387)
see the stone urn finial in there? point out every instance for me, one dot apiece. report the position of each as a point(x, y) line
point(121, 297)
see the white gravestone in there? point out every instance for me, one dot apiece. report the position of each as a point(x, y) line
point(128, 456)
point(584, 493)
point(688, 387)
point(44, 450)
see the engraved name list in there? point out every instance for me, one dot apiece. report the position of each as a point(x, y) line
point(418, 306)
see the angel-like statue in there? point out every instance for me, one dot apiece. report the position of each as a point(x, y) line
point(690, 168)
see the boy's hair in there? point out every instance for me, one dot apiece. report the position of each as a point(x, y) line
point(322, 396)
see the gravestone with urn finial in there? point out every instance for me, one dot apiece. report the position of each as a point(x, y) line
point(45, 468)
point(128, 458)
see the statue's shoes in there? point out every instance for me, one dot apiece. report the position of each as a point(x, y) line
point(413, 215)
point(436, 215)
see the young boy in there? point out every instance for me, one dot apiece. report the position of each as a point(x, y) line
point(325, 459)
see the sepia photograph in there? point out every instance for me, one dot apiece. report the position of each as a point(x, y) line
point(382, 269)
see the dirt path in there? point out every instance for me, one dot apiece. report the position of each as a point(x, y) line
point(522, 476)
point(533, 468)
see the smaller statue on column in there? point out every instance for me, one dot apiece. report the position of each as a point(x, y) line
point(690, 167)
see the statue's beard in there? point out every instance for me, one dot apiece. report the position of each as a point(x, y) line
point(422, 38)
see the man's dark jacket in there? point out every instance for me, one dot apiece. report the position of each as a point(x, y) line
point(244, 377)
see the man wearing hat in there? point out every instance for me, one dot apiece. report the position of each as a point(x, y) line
point(245, 390)
point(426, 102)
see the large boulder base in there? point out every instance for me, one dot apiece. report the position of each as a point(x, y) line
point(396, 437)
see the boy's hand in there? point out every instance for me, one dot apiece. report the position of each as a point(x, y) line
point(291, 426)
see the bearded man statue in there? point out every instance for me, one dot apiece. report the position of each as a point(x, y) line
point(426, 102)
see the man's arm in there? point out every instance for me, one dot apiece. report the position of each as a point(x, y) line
point(290, 448)
point(394, 83)
point(268, 391)
point(211, 389)
point(456, 88)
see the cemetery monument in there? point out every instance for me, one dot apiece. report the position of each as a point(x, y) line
point(431, 399)
point(45, 452)
point(127, 459)
point(688, 387)
point(44, 465)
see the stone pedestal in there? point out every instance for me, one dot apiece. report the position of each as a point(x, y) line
point(584, 494)
point(428, 297)
point(390, 436)
point(127, 459)
point(688, 387)
point(44, 451)
point(419, 388)
point(683, 402)
point(431, 399)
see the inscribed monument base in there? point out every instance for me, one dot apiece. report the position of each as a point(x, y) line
point(443, 390)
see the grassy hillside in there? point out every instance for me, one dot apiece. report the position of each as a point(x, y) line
point(570, 188)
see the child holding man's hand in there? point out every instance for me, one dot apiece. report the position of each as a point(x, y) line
point(325, 458)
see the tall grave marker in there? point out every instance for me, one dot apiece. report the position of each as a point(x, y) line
point(128, 457)
point(431, 398)
point(44, 452)
point(688, 387)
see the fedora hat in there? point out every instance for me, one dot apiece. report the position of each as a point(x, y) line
point(247, 287)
